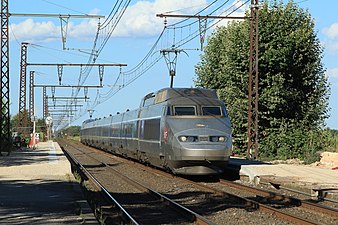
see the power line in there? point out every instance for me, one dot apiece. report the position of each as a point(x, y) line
point(64, 7)
point(153, 55)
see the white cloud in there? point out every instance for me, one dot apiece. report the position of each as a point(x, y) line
point(86, 30)
point(331, 34)
point(331, 46)
point(29, 31)
point(42, 32)
point(140, 19)
point(332, 31)
point(333, 73)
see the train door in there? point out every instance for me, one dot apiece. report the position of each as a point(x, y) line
point(122, 139)
point(149, 139)
point(164, 136)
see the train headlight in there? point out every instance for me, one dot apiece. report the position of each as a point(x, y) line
point(187, 138)
point(221, 139)
point(217, 139)
point(183, 138)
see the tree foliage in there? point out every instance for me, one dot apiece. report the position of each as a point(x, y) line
point(15, 122)
point(40, 126)
point(293, 90)
point(72, 131)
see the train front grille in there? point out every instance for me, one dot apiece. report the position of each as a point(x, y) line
point(204, 138)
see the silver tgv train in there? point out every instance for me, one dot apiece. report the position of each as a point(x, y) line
point(184, 130)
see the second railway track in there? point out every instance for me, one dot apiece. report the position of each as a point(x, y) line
point(214, 203)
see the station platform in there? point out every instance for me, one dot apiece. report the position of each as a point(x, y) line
point(37, 187)
point(317, 180)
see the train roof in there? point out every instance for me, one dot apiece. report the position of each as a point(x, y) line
point(161, 95)
point(170, 93)
point(88, 120)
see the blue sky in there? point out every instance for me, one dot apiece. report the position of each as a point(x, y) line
point(133, 37)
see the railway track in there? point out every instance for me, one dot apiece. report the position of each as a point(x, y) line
point(137, 203)
point(270, 196)
point(263, 198)
point(258, 200)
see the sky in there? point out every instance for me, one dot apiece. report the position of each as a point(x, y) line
point(131, 40)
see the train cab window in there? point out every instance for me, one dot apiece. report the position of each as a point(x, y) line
point(211, 111)
point(184, 111)
point(148, 99)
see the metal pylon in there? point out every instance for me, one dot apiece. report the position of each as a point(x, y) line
point(252, 147)
point(22, 124)
point(5, 134)
point(45, 103)
point(31, 93)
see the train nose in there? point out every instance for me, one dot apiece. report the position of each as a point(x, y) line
point(204, 145)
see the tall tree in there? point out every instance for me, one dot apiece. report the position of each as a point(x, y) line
point(293, 90)
point(15, 121)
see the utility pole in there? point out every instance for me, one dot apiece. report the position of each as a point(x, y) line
point(253, 95)
point(31, 93)
point(22, 123)
point(5, 134)
point(45, 102)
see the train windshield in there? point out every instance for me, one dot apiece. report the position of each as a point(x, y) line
point(184, 111)
point(211, 111)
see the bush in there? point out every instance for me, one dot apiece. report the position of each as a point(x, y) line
point(294, 140)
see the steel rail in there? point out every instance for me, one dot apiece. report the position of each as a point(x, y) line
point(123, 213)
point(179, 208)
point(275, 196)
point(253, 204)
point(318, 194)
point(191, 215)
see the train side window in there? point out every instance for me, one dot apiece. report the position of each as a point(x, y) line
point(184, 111)
point(211, 111)
point(168, 111)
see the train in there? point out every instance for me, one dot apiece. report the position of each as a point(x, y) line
point(186, 131)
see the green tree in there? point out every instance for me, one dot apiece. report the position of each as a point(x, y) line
point(15, 120)
point(293, 90)
point(72, 131)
